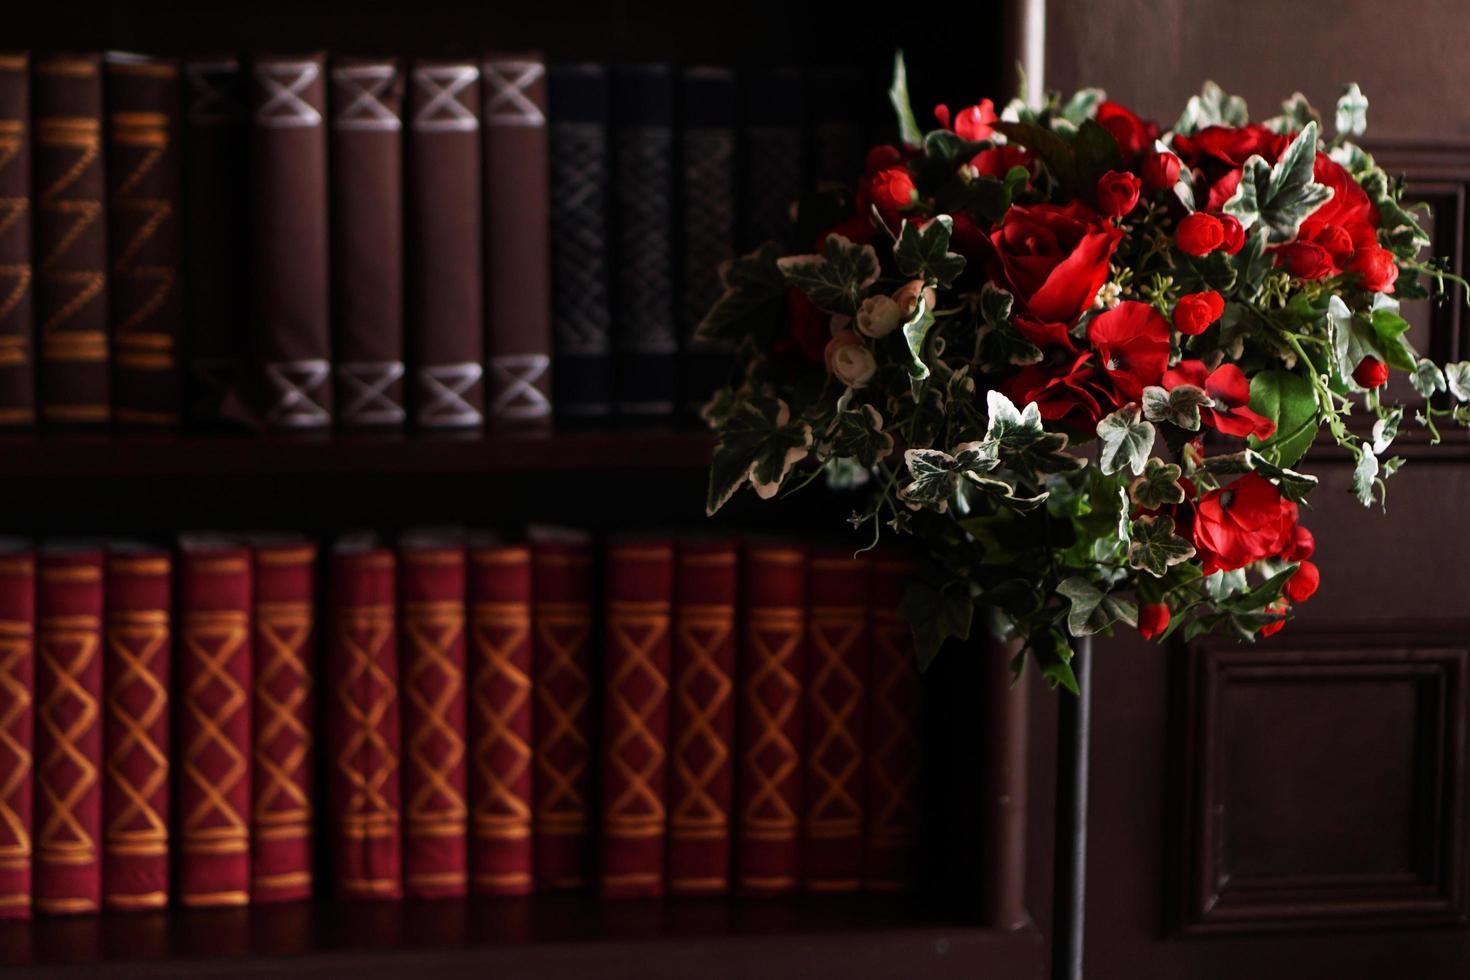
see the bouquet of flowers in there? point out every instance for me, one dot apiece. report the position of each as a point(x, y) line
point(1081, 358)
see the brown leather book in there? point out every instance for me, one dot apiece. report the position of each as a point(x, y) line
point(17, 326)
point(144, 201)
point(70, 239)
point(290, 313)
point(446, 300)
point(367, 240)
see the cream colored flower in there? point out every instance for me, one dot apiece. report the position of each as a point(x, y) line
point(849, 359)
point(878, 316)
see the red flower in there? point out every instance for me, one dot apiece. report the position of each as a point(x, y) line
point(1234, 234)
point(1199, 234)
point(1132, 339)
point(1160, 171)
point(1231, 145)
point(1055, 258)
point(1070, 392)
point(891, 190)
point(1302, 546)
point(1370, 372)
point(972, 123)
point(1375, 268)
point(1306, 260)
point(1195, 312)
point(811, 328)
point(1242, 523)
point(1303, 582)
point(1117, 193)
point(1134, 135)
point(967, 237)
point(858, 229)
point(1153, 619)
point(882, 157)
point(1279, 608)
point(1044, 335)
point(998, 160)
point(1349, 207)
point(1231, 393)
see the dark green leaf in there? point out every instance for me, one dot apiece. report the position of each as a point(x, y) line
point(1179, 405)
point(925, 253)
point(1155, 547)
point(754, 298)
point(759, 443)
point(1290, 401)
point(1159, 485)
point(898, 96)
point(935, 615)
point(837, 280)
point(1093, 610)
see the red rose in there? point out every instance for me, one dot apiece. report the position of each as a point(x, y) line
point(1117, 193)
point(1044, 335)
point(967, 237)
point(1199, 234)
point(1349, 207)
point(881, 158)
point(1196, 311)
point(1132, 340)
point(1133, 134)
point(1303, 582)
point(1234, 234)
point(811, 328)
point(1160, 171)
point(1370, 372)
point(1055, 258)
point(1231, 146)
point(1153, 619)
point(858, 229)
point(891, 190)
point(1069, 392)
point(1242, 523)
point(998, 160)
point(1306, 260)
point(1230, 391)
point(972, 123)
point(1375, 268)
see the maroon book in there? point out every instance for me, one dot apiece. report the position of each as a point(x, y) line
point(135, 790)
point(892, 740)
point(635, 715)
point(68, 754)
point(17, 726)
point(702, 718)
point(17, 326)
point(500, 730)
point(431, 595)
point(212, 794)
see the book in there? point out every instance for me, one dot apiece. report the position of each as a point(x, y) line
point(517, 239)
point(581, 300)
point(773, 156)
point(290, 316)
point(702, 717)
point(431, 598)
point(834, 784)
point(363, 745)
point(367, 240)
point(892, 739)
point(446, 292)
point(212, 788)
point(71, 306)
point(838, 128)
point(137, 657)
point(145, 233)
point(635, 714)
point(283, 718)
point(17, 726)
point(68, 741)
point(770, 723)
point(17, 323)
point(217, 223)
point(500, 722)
point(562, 584)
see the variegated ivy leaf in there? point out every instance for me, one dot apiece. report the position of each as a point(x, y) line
point(1457, 380)
point(1351, 157)
point(1364, 475)
point(845, 474)
point(1387, 428)
point(1222, 585)
point(1127, 439)
point(837, 280)
point(1022, 442)
point(1155, 547)
point(1179, 405)
point(1428, 378)
point(1083, 105)
point(759, 443)
point(859, 435)
point(924, 253)
point(1282, 195)
point(754, 290)
point(1293, 485)
point(1212, 107)
point(937, 475)
point(1353, 338)
point(1159, 485)
point(1002, 347)
point(1093, 610)
point(916, 336)
point(1397, 228)
point(1296, 112)
point(898, 96)
point(1352, 112)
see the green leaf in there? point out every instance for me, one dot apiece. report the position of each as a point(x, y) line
point(1159, 485)
point(1352, 112)
point(1389, 328)
point(1293, 485)
point(1053, 654)
point(1428, 378)
point(1396, 226)
point(1296, 112)
point(935, 615)
point(1083, 105)
point(1457, 380)
point(1096, 152)
point(916, 336)
point(1214, 271)
point(1053, 150)
point(1093, 610)
point(1179, 405)
point(1021, 442)
point(1364, 475)
point(1290, 401)
point(1154, 547)
point(947, 149)
point(1280, 196)
point(925, 253)
point(1126, 440)
point(754, 297)
point(837, 280)
point(758, 443)
point(1212, 107)
point(859, 435)
point(1386, 429)
point(1002, 347)
point(898, 95)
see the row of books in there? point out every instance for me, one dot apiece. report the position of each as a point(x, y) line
point(298, 242)
point(657, 716)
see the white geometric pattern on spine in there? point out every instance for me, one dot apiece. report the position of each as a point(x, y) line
point(513, 380)
point(443, 112)
point(361, 87)
point(443, 388)
point(645, 273)
point(709, 157)
point(284, 82)
point(298, 386)
point(365, 385)
point(580, 310)
point(506, 102)
point(213, 91)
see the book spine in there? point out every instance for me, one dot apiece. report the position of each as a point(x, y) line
point(838, 130)
point(17, 730)
point(135, 802)
point(214, 668)
point(431, 588)
point(562, 658)
point(217, 220)
point(772, 155)
point(644, 314)
point(707, 206)
point(290, 314)
point(282, 721)
point(68, 760)
point(144, 201)
point(17, 323)
point(702, 718)
point(636, 654)
point(444, 245)
point(837, 672)
point(71, 240)
point(500, 729)
point(363, 740)
point(772, 675)
point(367, 240)
point(892, 739)
point(581, 299)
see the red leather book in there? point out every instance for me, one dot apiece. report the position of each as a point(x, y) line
point(281, 792)
point(500, 719)
point(17, 326)
point(17, 727)
point(772, 673)
point(837, 671)
point(702, 718)
point(892, 740)
point(635, 714)
point(213, 665)
point(431, 596)
point(136, 715)
point(144, 205)
point(562, 656)
point(362, 737)
point(68, 753)
point(71, 239)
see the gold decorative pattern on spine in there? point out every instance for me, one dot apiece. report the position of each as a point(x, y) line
point(364, 631)
point(282, 807)
point(16, 641)
point(892, 815)
point(502, 690)
point(430, 628)
point(65, 647)
point(80, 136)
point(213, 826)
point(833, 632)
point(700, 630)
point(636, 753)
point(773, 637)
point(562, 630)
point(137, 640)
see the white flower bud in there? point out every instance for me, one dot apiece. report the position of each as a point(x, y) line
point(878, 316)
point(1109, 296)
point(849, 359)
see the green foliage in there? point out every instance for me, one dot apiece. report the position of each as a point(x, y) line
point(1158, 486)
point(836, 280)
point(925, 254)
point(1289, 400)
point(1212, 107)
point(758, 443)
point(1126, 440)
point(754, 298)
point(1280, 196)
point(898, 96)
point(1155, 548)
point(935, 615)
point(1352, 112)
point(1093, 610)
point(1179, 405)
point(916, 336)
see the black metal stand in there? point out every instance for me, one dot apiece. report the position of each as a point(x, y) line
point(1071, 844)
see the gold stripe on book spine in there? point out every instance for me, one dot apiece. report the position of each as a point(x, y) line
point(65, 648)
point(16, 644)
point(501, 691)
point(281, 806)
point(835, 690)
point(136, 640)
point(891, 809)
point(211, 640)
point(81, 138)
point(773, 636)
point(431, 683)
point(562, 700)
point(367, 694)
point(636, 753)
point(702, 690)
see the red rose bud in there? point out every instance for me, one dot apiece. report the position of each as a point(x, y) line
point(1303, 582)
point(1306, 260)
point(1199, 234)
point(1375, 268)
point(1234, 234)
point(882, 157)
point(1195, 312)
point(1153, 619)
point(892, 190)
point(1370, 372)
point(1277, 608)
point(1160, 171)
point(1117, 193)
point(1302, 546)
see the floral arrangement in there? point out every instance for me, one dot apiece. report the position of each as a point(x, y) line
point(1080, 358)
